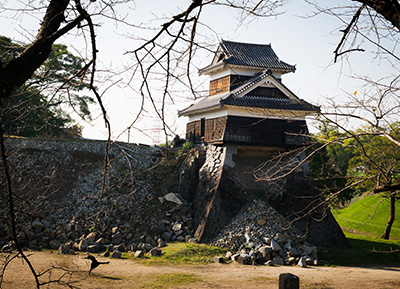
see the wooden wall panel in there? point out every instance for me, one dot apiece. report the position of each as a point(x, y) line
point(220, 85)
point(249, 131)
point(219, 128)
point(268, 132)
point(213, 130)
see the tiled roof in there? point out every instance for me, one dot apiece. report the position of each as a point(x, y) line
point(239, 97)
point(254, 55)
point(269, 102)
point(205, 103)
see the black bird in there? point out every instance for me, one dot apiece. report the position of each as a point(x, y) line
point(94, 263)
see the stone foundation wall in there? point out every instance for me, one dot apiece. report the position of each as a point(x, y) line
point(206, 197)
point(227, 184)
point(60, 184)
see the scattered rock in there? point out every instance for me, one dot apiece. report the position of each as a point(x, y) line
point(93, 248)
point(37, 224)
point(270, 263)
point(108, 247)
point(166, 236)
point(91, 237)
point(265, 250)
point(116, 254)
point(120, 247)
point(177, 227)
point(244, 259)
point(235, 257)
point(155, 252)
point(161, 243)
point(171, 197)
point(55, 244)
point(64, 249)
point(302, 262)
point(218, 259)
point(261, 222)
point(30, 235)
point(100, 241)
point(116, 238)
point(139, 254)
point(82, 245)
point(275, 246)
point(193, 240)
point(278, 261)
point(258, 228)
point(47, 225)
point(262, 241)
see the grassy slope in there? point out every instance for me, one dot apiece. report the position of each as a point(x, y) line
point(357, 217)
point(364, 234)
point(365, 251)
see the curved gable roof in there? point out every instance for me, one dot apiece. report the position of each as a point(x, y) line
point(243, 97)
point(253, 55)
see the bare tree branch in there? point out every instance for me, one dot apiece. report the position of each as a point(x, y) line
point(345, 35)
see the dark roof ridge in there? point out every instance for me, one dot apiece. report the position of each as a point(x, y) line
point(251, 82)
point(270, 102)
point(245, 43)
point(252, 55)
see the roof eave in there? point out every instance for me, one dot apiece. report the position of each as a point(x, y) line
point(298, 113)
point(221, 65)
point(211, 68)
point(199, 110)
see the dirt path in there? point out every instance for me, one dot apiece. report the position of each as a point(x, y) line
point(123, 273)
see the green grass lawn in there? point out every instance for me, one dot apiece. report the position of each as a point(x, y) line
point(183, 253)
point(363, 222)
point(365, 251)
point(369, 216)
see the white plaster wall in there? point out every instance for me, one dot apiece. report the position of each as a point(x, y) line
point(239, 71)
point(248, 112)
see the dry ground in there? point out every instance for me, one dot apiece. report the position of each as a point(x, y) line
point(125, 273)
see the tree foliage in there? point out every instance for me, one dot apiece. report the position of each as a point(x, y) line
point(330, 163)
point(350, 163)
point(39, 107)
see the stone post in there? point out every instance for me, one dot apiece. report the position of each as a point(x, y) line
point(289, 281)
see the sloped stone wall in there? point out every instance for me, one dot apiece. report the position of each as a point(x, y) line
point(206, 197)
point(227, 184)
point(60, 187)
point(60, 197)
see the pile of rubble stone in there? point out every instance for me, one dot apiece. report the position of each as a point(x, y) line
point(76, 235)
point(136, 212)
point(260, 235)
point(142, 220)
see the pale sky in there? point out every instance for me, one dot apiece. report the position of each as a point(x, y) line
point(307, 42)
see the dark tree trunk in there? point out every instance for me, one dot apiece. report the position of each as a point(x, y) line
point(388, 9)
point(18, 70)
point(389, 224)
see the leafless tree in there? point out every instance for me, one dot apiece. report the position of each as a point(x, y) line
point(373, 27)
point(168, 53)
